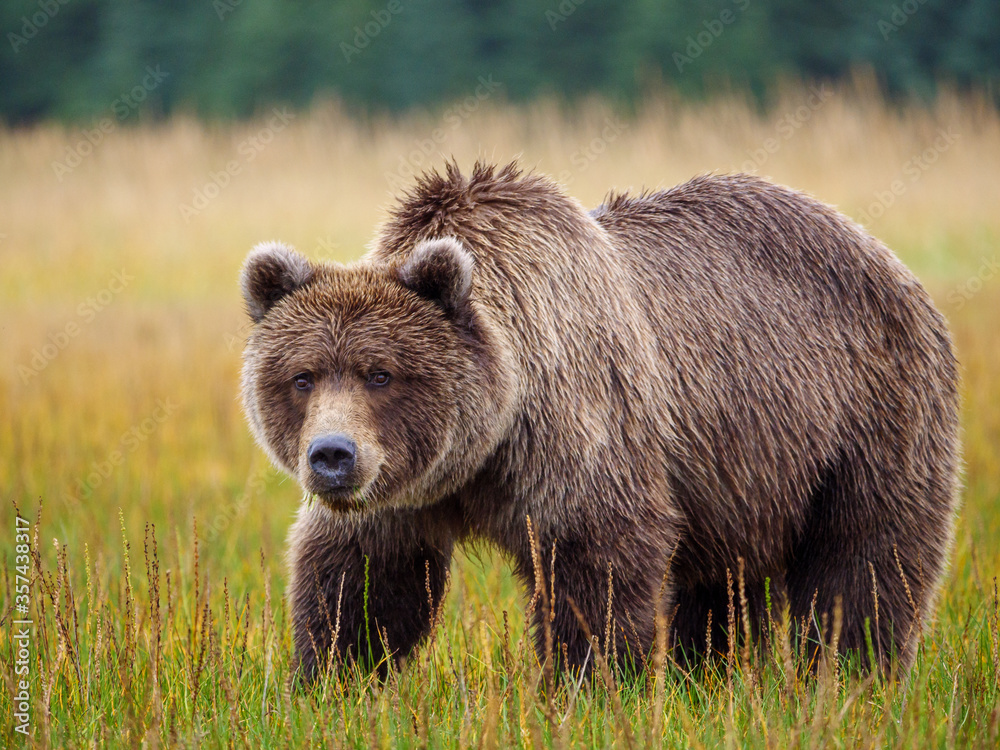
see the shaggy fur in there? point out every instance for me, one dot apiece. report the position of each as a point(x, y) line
point(724, 374)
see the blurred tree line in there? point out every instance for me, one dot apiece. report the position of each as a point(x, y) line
point(79, 59)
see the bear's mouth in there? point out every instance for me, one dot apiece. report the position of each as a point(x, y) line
point(342, 499)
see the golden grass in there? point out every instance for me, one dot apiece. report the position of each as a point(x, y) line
point(173, 335)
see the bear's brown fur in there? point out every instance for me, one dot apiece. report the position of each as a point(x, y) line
point(724, 376)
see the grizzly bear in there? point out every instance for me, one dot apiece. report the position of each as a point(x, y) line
point(725, 384)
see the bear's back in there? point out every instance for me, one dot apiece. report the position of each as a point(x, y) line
point(781, 324)
point(728, 254)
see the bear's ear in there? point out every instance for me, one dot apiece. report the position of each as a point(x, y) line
point(441, 270)
point(271, 271)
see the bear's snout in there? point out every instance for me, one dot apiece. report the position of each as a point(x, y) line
point(332, 459)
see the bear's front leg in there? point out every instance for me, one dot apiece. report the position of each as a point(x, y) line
point(585, 595)
point(360, 584)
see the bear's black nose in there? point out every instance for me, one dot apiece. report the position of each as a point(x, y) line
point(332, 457)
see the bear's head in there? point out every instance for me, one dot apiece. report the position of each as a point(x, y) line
point(375, 384)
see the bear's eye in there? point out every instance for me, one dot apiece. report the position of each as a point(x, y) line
point(379, 379)
point(303, 381)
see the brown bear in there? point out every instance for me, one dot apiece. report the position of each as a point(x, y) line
point(725, 376)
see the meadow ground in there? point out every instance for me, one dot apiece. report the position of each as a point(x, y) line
point(157, 529)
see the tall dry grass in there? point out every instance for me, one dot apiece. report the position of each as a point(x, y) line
point(158, 549)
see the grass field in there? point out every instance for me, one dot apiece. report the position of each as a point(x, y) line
point(157, 528)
